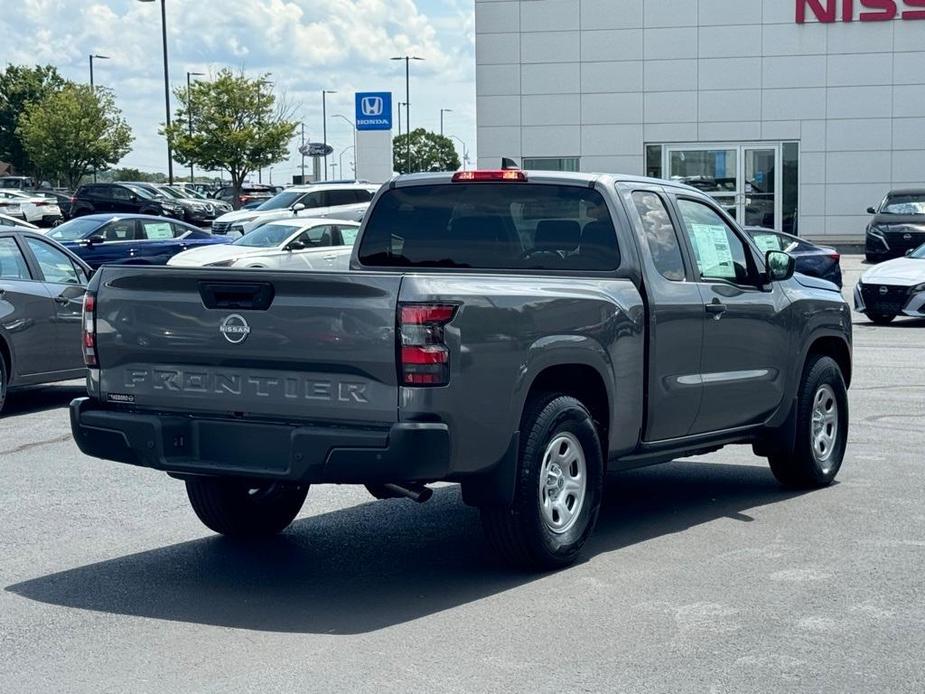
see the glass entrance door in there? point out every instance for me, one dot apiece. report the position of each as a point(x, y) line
point(744, 179)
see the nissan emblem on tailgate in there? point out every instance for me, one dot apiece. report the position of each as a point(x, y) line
point(235, 329)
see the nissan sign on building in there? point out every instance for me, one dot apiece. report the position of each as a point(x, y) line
point(796, 115)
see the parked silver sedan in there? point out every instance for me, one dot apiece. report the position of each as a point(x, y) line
point(42, 287)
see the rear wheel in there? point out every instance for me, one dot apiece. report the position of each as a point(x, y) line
point(241, 508)
point(821, 429)
point(880, 318)
point(558, 490)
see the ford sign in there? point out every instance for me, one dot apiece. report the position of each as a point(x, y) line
point(374, 110)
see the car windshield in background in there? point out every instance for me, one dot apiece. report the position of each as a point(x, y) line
point(268, 236)
point(171, 192)
point(918, 253)
point(904, 204)
point(74, 229)
point(281, 201)
point(491, 225)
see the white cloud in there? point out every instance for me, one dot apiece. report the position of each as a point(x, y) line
point(307, 46)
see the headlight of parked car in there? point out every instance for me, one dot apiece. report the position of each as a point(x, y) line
point(918, 288)
point(222, 263)
point(875, 231)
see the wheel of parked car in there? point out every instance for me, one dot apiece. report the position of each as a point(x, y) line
point(240, 508)
point(821, 429)
point(558, 491)
point(3, 379)
point(880, 318)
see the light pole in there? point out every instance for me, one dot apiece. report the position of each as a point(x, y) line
point(442, 111)
point(400, 104)
point(98, 57)
point(407, 59)
point(465, 151)
point(324, 125)
point(334, 173)
point(260, 83)
point(302, 153)
point(189, 110)
point(352, 125)
point(166, 85)
point(340, 159)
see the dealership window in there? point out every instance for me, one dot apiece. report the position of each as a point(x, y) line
point(654, 161)
point(551, 163)
point(790, 186)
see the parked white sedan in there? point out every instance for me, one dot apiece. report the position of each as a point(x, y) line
point(894, 288)
point(285, 244)
point(34, 207)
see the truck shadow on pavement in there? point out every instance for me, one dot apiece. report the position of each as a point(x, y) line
point(41, 398)
point(383, 563)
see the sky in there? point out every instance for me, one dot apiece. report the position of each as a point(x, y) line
point(305, 45)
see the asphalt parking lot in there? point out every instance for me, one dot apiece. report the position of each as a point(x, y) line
point(703, 575)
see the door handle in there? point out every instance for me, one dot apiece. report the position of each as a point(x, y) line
point(716, 308)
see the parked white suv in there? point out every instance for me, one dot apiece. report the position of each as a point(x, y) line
point(340, 200)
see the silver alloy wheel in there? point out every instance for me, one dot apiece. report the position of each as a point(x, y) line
point(563, 482)
point(824, 425)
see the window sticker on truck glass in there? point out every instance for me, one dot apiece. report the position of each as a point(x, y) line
point(712, 249)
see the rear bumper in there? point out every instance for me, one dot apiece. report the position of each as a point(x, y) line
point(405, 452)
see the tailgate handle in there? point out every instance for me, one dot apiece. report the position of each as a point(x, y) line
point(253, 296)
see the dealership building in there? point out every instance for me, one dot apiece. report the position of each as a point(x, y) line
point(795, 114)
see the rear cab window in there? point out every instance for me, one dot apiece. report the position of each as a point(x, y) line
point(500, 226)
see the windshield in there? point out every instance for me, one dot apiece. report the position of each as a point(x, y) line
point(268, 236)
point(144, 192)
point(918, 253)
point(191, 193)
point(171, 192)
point(281, 201)
point(74, 229)
point(904, 204)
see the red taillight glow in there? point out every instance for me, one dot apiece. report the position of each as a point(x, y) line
point(494, 175)
point(835, 256)
point(424, 356)
point(88, 321)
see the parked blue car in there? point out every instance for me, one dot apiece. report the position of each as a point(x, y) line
point(813, 260)
point(135, 239)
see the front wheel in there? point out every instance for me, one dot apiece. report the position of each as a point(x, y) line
point(821, 429)
point(558, 489)
point(880, 318)
point(240, 508)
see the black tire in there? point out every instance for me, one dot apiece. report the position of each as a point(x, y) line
point(880, 318)
point(804, 467)
point(3, 382)
point(870, 258)
point(239, 508)
point(519, 533)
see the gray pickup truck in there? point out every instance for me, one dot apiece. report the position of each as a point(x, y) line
point(519, 333)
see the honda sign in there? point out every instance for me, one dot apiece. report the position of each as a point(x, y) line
point(374, 110)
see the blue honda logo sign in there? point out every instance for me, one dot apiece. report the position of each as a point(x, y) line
point(374, 110)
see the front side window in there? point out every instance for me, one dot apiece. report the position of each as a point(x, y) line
point(55, 265)
point(12, 264)
point(120, 193)
point(316, 237)
point(119, 230)
point(719, 252)
point(660, 235)
point(504, 225)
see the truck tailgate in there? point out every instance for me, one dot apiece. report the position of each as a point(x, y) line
point(288, 346)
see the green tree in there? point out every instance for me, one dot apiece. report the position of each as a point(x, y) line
point(21, 85)
point(237, 125)
point(74, 130)
point(132, 174)
point(429, 152)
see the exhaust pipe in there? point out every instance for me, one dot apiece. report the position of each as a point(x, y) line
point(418, 494)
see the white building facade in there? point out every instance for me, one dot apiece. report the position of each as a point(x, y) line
point(795, 114)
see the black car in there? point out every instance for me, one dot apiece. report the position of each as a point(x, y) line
point(817, 261)
point(898, 225)
point(126, 198)
point(250, 192)
point(42, 288)
point(195, 210)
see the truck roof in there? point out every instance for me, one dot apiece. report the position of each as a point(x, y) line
point(567, 177)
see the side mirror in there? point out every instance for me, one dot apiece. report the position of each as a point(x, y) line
point(298, 207)
point(133, 197)
point(871, 210)
point(93, 240)
point(781, 266)
point(295, 246)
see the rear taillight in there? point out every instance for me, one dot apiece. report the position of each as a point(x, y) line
point(424, 358)
point(89, 330)
point(835, 256)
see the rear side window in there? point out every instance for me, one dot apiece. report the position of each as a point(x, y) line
point(12, 264)
point(503, 226)
point(660, 235)
point(156, 231)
